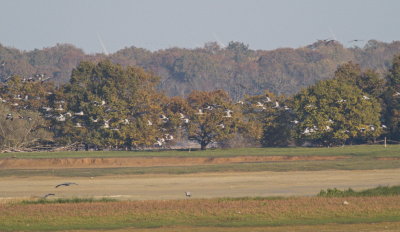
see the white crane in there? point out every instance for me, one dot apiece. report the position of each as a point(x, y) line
point(79, 113)
point(200, 112)
point(259, 104)
point(228, 113)
point(60, 118)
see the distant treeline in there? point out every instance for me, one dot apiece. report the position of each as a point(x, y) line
point(237, 69)
point(110, 106)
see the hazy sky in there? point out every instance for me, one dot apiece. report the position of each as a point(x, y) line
point(160, 24)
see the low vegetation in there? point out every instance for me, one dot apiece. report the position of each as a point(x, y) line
point(198, 213)
point(66, 200)
point(378, 191)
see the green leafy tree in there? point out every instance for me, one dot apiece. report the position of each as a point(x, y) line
point(213, 117)
point(266, 119)
point(392, 100)
point(333, 112)
point(368, 81)
point(111, 106)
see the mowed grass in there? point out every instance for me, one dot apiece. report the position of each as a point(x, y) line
point(353, 163)
point(192, 213)
point(362, 157)
point(357, 150)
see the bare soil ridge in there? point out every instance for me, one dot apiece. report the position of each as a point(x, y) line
point(61, 163)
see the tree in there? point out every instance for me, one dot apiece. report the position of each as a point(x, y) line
point(266, 118)
point(212, 118)
point(21, 129)
point(111, 106)
point(333, 112)
point(391, 98)
point(367, 81)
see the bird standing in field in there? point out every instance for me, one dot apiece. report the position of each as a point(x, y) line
point(66, 184)
point(188, 194)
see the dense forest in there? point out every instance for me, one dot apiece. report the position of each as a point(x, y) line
point(105, 105)
point(237, 69)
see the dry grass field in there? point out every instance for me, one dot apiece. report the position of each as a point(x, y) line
point(202, 185)
point(281, 184)
point(200, 213)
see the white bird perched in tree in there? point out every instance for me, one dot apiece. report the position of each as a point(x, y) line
point(295, 121)
point(103, 102)
point(366, 97)
point(221, 125)
point(125, 121)
point(384, 126)
point(60, 108)
point(163, 117)
point(9, 117)
point(185, 120)
point(182, 116)
point(259, 104)
point(94, 120)
point(396, 94)
point(18, 97)
point(276, 104)
point(228, 113)
point(69, 114)
point(240, 102)
point(47, 109)
point(149, 123)
point(60, 118)
point(309, 106)
point(340, 101)
point(106, 124)
point(268, 99)
point(169, 137)
point(209, 108)
point(79, 113)
point(200, 112)
point(78, 125)
point(158, 142)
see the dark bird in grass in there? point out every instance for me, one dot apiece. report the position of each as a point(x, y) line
point(49, 194)
point(188, 194)
point(66, 184)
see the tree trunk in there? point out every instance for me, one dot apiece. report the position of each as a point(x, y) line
point(203, 146)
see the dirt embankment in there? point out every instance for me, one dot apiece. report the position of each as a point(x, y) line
point(55, 163)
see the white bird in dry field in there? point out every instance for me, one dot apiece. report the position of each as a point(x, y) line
point(188, 194)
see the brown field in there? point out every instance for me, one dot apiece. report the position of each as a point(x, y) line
point(56, 163)
point(202, 185)
point(359, 227)
point(202, 212)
